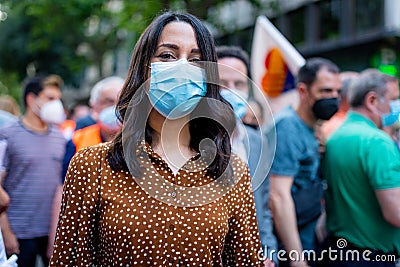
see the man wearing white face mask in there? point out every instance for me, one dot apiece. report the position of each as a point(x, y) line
point(33, 162)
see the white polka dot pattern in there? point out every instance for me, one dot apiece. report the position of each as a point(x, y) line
point(107, 219)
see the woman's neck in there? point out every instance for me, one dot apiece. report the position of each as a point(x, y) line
point(171, 140)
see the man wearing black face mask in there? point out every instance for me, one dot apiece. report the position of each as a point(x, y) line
point(296, 191)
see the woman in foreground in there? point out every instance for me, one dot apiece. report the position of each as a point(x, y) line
point(166, 191)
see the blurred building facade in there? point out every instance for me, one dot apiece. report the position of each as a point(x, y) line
point(356, 34)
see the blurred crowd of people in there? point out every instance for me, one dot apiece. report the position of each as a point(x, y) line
point(335, 173)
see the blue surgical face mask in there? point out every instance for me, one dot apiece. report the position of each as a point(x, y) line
point(391, 118)
point(237, 99)
point(108, 119)
point(176, 87)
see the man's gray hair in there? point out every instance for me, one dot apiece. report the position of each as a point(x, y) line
point(370, 80)
point(102, 85)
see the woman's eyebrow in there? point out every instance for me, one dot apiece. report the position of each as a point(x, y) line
point(168, 45)
point(175, 47)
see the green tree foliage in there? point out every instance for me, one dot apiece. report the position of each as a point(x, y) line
point(55, 36)
point(66, 36)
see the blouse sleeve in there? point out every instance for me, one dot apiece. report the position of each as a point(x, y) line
point(242, 243)
point(75, 243)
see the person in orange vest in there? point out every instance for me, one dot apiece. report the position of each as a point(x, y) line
point(79, 110)
point(67, 128)
point(103, 131)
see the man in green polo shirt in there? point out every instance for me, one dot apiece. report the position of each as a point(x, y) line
point(362, 169)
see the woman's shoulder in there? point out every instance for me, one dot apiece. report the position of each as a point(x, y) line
point(93, 153)
point(87, 163)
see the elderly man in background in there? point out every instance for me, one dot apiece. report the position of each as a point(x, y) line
point(362, 168)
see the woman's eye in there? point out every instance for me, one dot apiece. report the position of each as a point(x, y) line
point(166, 56)
point(196, 59)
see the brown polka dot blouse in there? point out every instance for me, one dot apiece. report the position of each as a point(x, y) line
point(108, 219)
